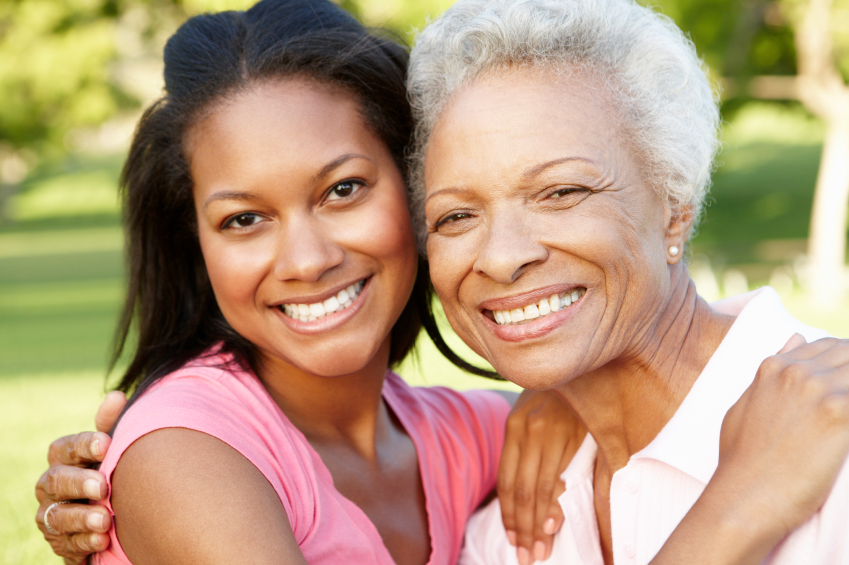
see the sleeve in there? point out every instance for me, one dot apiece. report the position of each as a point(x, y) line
point(204, 404)
point(486, 420)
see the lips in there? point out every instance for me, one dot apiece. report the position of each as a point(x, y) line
point(532, 314)
point(538, 309)
point(309, 312)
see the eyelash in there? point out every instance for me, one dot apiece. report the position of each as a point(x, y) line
point(563, 192)
point(456, 216)
point(229, 222)
point(356, 185)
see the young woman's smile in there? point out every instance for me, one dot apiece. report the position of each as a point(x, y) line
point(303, 224)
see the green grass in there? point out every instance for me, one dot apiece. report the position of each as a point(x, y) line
point(36, 409)
point(61, 279)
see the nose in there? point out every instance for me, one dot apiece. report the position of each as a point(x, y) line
point(305, 251)
point(509, 247)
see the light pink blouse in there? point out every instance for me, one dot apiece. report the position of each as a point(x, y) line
point(659, 485)
point(458, 439)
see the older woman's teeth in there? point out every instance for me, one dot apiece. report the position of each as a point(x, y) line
point(311, 312)
point(544, 307)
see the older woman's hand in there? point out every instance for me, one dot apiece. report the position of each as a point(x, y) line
point(788, 434)
point(78, 530)
point(541, 438)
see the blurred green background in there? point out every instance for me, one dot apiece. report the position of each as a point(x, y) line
point(74, 75)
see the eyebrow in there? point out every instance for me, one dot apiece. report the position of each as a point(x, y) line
point(338, 162)
point(530, 172)
point(325, 170)
point(537, 169)
point(230, 195)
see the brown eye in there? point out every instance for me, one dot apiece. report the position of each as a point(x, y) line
point(564, 192)
point(344, 189)
point(242, 220)
point(452, 218)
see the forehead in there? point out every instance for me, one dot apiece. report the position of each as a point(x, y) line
point(516, 119)
point(284, 124)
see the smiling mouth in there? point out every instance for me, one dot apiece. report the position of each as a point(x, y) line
point(536, 310)
point(317, 310)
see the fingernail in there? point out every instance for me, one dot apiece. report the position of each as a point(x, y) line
point(549, 527)
point(95, 448)
point(511, 537)
point(524, 556)
point(92, 489)
point(94, 542)
point(95, 521)
point(539, 551)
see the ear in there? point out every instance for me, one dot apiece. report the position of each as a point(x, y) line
point(679, 221)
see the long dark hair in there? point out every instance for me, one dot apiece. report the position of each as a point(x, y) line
point(170, 304)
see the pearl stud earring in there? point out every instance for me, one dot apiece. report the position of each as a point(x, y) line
point(673, 250)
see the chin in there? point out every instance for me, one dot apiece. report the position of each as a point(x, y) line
point(534, 375)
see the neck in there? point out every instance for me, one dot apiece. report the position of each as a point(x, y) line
point(346, 409)
point(625, 403)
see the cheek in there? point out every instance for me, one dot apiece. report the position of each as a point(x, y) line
point(234, 272)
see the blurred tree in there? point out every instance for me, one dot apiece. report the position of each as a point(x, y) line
point(822, 43)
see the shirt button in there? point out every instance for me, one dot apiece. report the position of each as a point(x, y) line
point(629, 551)
point(633, 487)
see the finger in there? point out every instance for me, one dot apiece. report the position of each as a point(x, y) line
point(795, 341)
point(812, 349)
point(81, 449)
point(835, 356)
point(76, 549)
point(525, 492)
point(75, 519)
point(549, 477)
point(109, 411)
point(71, 483)
point(507, 467)
point(553, 514)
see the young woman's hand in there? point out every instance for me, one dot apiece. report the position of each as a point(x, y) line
point(782, 446)
point(78, 529)
point(542, 436)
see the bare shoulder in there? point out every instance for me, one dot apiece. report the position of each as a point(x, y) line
point(182, 496)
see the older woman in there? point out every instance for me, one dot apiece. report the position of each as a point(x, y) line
point(564, 150)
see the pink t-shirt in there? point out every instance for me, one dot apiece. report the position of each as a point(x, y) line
point(458, 439)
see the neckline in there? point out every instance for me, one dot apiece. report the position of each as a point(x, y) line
point(361, 520)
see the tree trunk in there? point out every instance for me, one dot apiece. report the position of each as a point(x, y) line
point(823, 92)
point(827, 242)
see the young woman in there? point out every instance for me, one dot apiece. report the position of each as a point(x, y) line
point(274, 279)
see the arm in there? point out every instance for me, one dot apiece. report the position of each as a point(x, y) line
point(182, 496)
point(81, 528)
point(771, 475)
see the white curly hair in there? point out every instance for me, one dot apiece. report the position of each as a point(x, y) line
point(649, 67)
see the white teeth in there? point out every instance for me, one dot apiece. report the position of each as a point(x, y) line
point(331, 305)
point(544, 307)
point(311, 312)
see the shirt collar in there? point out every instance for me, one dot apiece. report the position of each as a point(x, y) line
point(690, 440)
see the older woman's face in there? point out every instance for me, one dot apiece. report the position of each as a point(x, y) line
point(537, 208)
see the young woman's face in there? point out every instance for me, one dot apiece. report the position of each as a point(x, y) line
point(303, 224)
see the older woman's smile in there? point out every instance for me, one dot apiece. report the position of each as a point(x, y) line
point(542, 227)
point(535, 309)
